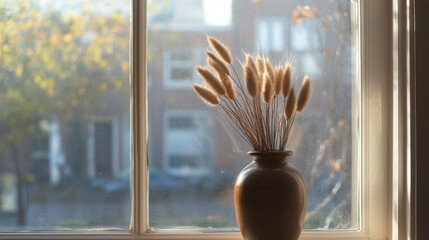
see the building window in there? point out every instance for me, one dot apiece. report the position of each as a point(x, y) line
point(305, 35)
point(270, 34)
point(306, 39)
point(187, 11)
point(188, 146)
point(190, 15)
point(179, 67)
point(103, 146)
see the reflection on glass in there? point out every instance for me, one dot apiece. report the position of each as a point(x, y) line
point(64, 119)
point(194, 158)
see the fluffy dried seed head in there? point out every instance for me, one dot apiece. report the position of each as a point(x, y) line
point(287, 82)
point(304, 94)
point(216, 67)
point(229, 87)
point(218, 64)
point(206, 95)
point(278, 80)
point(251, 81)
point(290, 105)
point(260, 64)
point(267, 88)
point(220, 49)
point(211, 80)
point(251, 62)
point(269, 69)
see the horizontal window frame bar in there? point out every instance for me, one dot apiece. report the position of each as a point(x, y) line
point(172, 235)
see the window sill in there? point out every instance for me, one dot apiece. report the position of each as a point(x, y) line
point(170, 235)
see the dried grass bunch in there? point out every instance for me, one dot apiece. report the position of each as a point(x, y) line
point(262, 105)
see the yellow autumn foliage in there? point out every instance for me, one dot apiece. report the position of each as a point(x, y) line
point(60, 63)
point(18, 71)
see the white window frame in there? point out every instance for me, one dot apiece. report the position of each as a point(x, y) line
point(385, 142)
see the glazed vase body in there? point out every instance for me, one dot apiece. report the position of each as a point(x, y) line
point(270, 198)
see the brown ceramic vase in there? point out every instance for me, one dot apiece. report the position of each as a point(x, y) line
point(270, 198)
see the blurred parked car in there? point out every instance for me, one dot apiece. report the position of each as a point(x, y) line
point(112, 185)
point(213, 183)
point(163, 185)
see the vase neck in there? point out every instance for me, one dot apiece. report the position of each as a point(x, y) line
point(270, 159)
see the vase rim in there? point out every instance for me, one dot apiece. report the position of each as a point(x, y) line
point(270, 153)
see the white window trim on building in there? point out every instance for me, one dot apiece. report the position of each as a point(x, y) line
point(197, 19)
point(305, 52)
point(270, 34)
point(168, 65)
point(195, 115)
point(8, 193)
point(301, 36)
point(384, 152)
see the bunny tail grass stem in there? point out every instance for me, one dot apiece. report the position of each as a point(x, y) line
point(290, 108)
point(262, 105)
point(286, 81)
point(289, 128)
point(278, 78)
point(211, 80)
point(236, 121)
point(220, 49)
point(220, 65)
point(304, 94)
point(251, 81)
point(206, 95)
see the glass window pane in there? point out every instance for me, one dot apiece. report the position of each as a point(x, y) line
point(181, 74)
point(178, 67)
point(270, 34)
point(194, 157)
point(64, 119)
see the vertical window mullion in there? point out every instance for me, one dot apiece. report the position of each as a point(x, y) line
point(139, 223)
